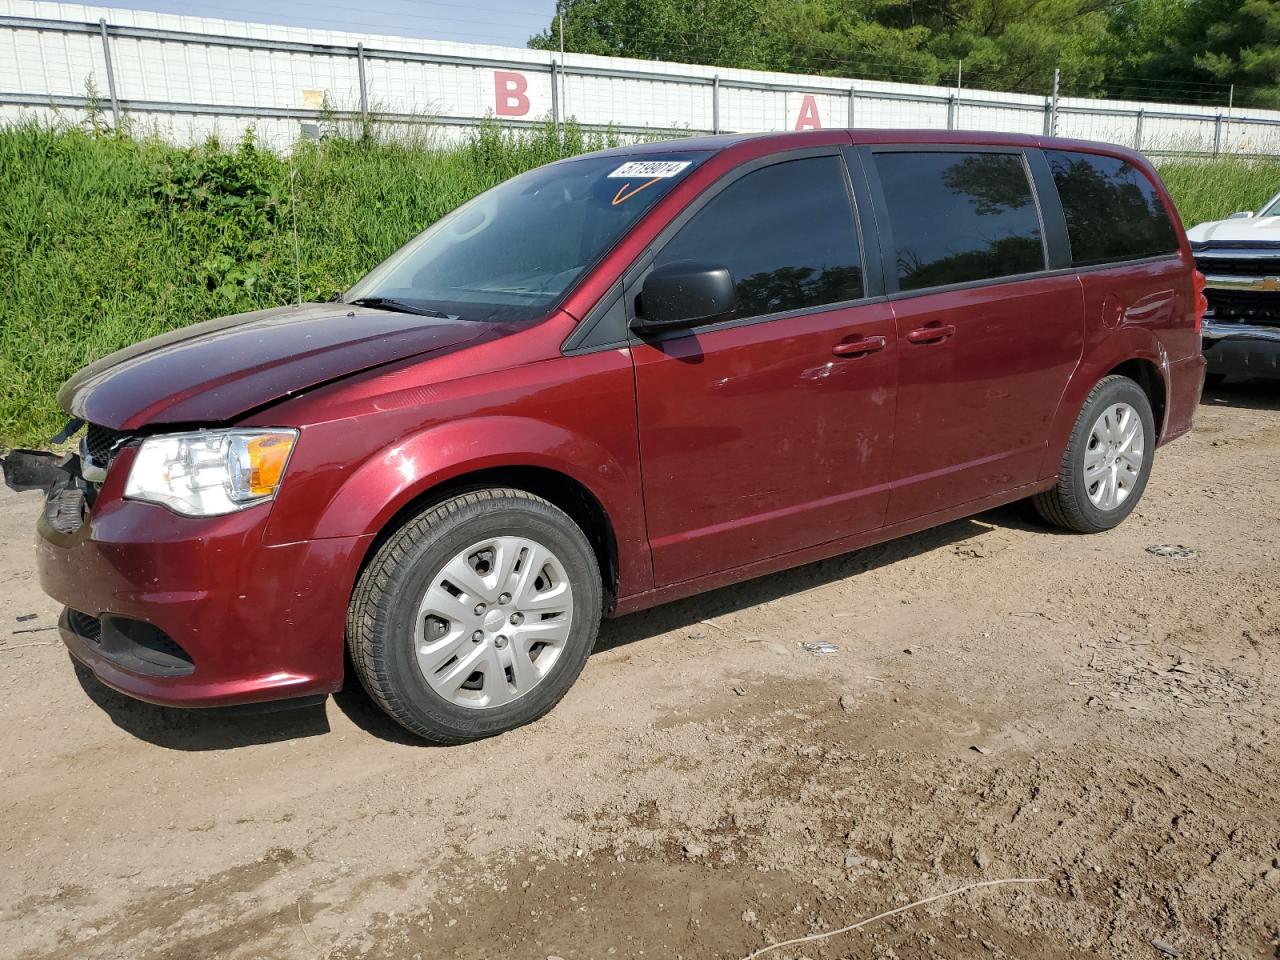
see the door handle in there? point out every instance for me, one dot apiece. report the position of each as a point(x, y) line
point(858, 348)
point(934, 333)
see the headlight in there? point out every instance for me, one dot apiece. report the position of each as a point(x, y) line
point(211, 472)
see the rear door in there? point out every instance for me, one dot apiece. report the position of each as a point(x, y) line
point(771, 431)
point(1125, 249)
point(989, 328)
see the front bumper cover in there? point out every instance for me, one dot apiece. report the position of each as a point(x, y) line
point(259, 621)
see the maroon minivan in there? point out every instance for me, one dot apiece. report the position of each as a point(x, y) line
point(613, 381)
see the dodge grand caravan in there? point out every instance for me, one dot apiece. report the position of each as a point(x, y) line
point(610, 382)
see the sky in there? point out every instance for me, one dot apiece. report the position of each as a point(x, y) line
point(506, 22)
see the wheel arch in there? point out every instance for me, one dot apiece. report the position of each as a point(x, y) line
point(1147, 375)
point(1134, 352)
point(575, 473)
point(557, 488)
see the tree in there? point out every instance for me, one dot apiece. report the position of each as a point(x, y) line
point(1200, 47)
point(718, 32)
point(1181, 50)
point(1005, 44)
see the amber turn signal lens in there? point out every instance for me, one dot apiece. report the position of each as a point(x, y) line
point(267, 458)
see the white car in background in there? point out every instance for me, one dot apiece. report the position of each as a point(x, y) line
point(1240, 258)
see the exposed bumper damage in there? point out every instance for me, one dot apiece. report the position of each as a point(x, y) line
point(38, 469)
point(181, 611)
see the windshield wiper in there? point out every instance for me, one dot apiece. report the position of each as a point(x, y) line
point(402, 306)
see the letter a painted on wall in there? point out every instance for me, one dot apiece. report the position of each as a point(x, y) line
point(808, 118)
point(510, 94)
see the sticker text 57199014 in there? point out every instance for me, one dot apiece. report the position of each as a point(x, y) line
point(650, 169)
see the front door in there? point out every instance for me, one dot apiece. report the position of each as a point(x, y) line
point(771, 431)
point(987, 335)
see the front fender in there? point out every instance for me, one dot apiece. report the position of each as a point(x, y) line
point(1124, 344)
point(386, 482)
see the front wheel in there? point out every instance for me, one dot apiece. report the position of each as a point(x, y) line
point(476, 616)
point(1107, 461)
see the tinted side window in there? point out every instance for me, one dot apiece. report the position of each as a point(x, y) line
point(786, 234)
point(958, 217)
point(1113, 211)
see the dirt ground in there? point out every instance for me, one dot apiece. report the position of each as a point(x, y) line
point(1005, 702)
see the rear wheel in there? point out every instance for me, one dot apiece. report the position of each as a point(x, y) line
point(1212, 380)
point(1105, 467)
point(476, 616)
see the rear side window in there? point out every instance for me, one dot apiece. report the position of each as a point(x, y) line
point(1113, 211)
point(785, 232)
point(959, 217)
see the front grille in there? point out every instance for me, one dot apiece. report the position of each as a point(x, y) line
point(101, 442)
point(1263, 266)
point(1244, 306)
point(134, 645)
point(153, 641)
point(90, 628)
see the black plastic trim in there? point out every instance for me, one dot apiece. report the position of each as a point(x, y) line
point(1053, 219)
point(979, 284)
point(1023, 277)
point(134, 645)
point(604, 328)
point(1115, 264)
point(864, 216)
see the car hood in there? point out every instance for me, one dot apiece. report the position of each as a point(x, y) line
point(1259, 230)
point(214, 371)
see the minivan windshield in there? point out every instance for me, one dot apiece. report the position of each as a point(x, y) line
point(510, 254)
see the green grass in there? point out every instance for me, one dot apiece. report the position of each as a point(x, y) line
point(106, 240)
point(1214, 189)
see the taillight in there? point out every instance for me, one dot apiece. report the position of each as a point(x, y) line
point(1202, 302)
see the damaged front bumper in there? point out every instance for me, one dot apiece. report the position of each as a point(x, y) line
point(38, 469)
point(182, 611)
point(61, 477)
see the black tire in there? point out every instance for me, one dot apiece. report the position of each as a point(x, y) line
point(1212, 380)
point(1068, 505)
point(384, 605)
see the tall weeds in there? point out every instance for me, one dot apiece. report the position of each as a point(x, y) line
point(1213, 189)
point(106, 240)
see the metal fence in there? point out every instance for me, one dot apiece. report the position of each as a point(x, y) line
point(220, 80)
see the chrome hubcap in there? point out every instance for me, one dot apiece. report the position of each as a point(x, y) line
point(1113, 457)
point(494, 622)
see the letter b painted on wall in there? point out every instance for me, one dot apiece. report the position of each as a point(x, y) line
point(510, 94)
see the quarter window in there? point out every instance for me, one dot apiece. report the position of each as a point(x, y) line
point(958, 217)
point(785, 232)
point(1113, 211)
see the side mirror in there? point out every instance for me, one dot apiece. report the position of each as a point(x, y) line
point(1241, 215)
point(684, 293)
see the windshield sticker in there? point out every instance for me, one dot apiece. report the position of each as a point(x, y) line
point(658, 169)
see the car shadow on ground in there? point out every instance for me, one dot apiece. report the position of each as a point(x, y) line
point(751, 593)
point(1248, 394)
point(224, 728)
point(235, 727)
